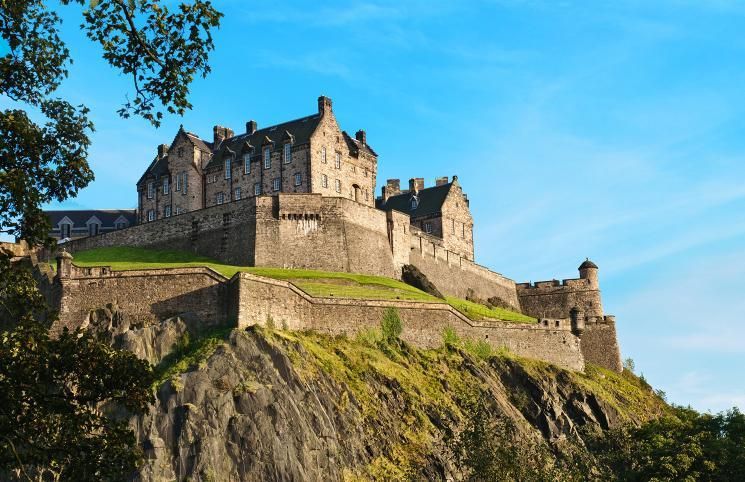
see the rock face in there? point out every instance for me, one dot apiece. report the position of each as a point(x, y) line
point(411, 275)
point(275, 405)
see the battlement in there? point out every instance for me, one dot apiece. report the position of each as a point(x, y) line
point(577, 283)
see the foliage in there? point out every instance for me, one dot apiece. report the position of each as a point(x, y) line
point(449, 337)
point(477, 311)
point(52, 391)
point(628, 364)
point(48, 162)
point(683, 445)
point(391, 325)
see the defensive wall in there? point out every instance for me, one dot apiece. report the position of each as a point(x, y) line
point(556, 298)
point(456, 275)
point(315, 232)
point(143, 297)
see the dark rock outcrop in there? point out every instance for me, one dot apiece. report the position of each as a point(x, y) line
point(411, 275)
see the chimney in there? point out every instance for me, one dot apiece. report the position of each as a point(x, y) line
point(361, 136)
point(251, 127)
point(392, 188)
point(229, 133)
point(416, 184)
point(441, 180)
point(324, 105)
point(162, 151)
point(218, 135)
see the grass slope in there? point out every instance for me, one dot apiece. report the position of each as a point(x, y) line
point(313, 282)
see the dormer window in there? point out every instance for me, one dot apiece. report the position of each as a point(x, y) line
point(65, 230)
point(414, 202)
point(288, 153)
point(94, 229)
point(228, 168)
point(247, 163)
point(267, 158)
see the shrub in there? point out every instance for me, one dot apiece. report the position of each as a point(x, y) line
point(480, 349)
point(628, 364)
point(370, 337)
point(391, 325)
point(450, 337)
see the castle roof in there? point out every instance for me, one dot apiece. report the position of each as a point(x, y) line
point(298, 131)
point(81, 216)
point(429, 201)
point(588, 264)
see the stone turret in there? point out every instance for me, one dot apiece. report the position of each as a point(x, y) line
point(64, 264)
point(589, 271)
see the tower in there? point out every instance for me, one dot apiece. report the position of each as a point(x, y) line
point(589, 271)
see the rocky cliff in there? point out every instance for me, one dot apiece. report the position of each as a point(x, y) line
point(268, 404)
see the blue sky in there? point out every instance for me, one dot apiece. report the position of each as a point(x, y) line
point(608, 129)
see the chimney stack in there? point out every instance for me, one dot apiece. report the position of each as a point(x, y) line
point(441, 180)
point(251, 127)
point(391, 188)
point(416, 184)
point(361, 136)
point(324, 105)
point(218, 134)
point(162, 151)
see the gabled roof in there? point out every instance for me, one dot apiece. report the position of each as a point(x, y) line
point(80, 217)
point(298, 130)
point(430, 201)
point(356, 146)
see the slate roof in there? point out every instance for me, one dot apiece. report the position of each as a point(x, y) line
point(588, 264)
point(430, 201)
point(299, 130)
point(355, 145)
point(80, 216)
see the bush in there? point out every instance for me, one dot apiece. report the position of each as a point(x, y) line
point(628, 364)
point(391, 325)
point(480, 349)
point(450, 337)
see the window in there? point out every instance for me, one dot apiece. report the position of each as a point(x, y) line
point(324, 180)
point(228, 168)
point(257, 189)
point(166, 186)
point(367, 195)
point(178, 210)
point(150, 190)
point(323, 155)
point(464, 230)
point(338, 160)
point(120, 225)
point(167, 211)
point(178, 182)
point(185, 183)
point(298, 179)
point(267, 158)
point(354, 168)
point(276, 183)
point(288, 153)
point(414, 202)
point(366, 172)
point(237, 194)
point(247, 163)
point(151, 215)
point(452, 221)
point(65, 230)
point(338, 185)
point(220, 198)
point(427, 227)
point(93, 229)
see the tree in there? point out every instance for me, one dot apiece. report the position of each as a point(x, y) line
point(53, 389)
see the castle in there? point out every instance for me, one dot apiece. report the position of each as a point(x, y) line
point(301, 195)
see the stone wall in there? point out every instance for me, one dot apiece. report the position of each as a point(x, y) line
point(142, 296)
point(554, 299)
point(600, 344)
point(260, 299)
point(454, 275)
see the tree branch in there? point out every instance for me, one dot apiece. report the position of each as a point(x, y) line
point(18, 458)
point(136, 34)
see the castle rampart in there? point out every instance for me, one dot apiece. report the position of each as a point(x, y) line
point(143, 296)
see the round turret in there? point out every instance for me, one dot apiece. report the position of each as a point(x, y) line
point(589, 271)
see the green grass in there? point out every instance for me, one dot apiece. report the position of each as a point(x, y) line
point(189, 354)
point(477, 311)
point(315, 283)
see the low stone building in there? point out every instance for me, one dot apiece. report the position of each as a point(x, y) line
point(73, 224)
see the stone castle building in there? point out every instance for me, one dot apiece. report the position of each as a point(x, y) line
point(301, 195)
